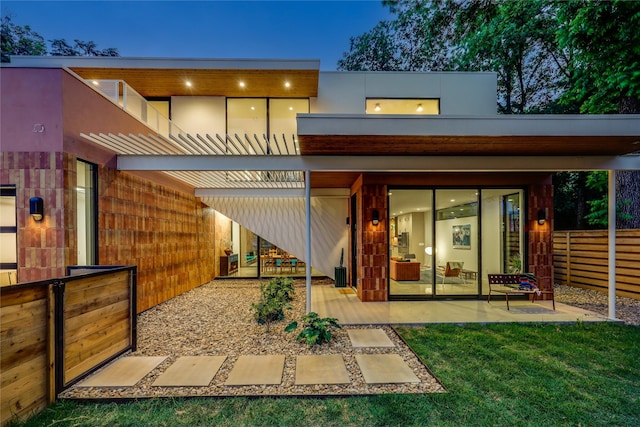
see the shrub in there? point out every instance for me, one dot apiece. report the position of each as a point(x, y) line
point(275, 296)
point(315, 330)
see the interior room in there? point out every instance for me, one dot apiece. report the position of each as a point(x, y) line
point(449, 250)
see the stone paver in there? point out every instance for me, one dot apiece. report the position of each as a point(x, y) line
point(369, 338)
point(257, 370)
point(321, 369)
point(191, 371)
point(385, 368)
point(124, 372)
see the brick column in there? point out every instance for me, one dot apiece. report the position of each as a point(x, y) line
point(541, 236)
point(373, 242)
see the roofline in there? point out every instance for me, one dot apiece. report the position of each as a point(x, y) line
point(377, 163)
point(21, 61)
point(499, 125)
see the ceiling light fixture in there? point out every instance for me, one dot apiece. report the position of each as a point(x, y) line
point(377, 108)
point(419, 109)
point(188, 83)
point(241, 84)
point(290, 108)
point(287, 84)
point(95, 82)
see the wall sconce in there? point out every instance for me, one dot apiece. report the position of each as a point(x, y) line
point(542, 216)
point(375, 217)
point(36, 208)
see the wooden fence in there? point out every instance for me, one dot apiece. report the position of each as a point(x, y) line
point(56, 332)
point(580, 258)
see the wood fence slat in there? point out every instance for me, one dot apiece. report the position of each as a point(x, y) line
point(581, 259)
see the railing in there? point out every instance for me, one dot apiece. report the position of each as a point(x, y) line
point(121, 94)
point(56, 332)
point(580, 258)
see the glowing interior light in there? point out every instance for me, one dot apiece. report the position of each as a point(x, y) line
point(377, 107)
point(419, 109)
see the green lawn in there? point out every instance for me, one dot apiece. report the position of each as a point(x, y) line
point(497, 375)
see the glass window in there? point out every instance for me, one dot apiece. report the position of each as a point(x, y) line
point(457, 248)
point(415, 106)
point(86, 213)
point(411, 242)
point(503, 233)
point(247, 116)
point(282, 122)
point(8, 236)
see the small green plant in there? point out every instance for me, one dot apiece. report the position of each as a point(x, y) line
point(275, 296)
point(315, 330)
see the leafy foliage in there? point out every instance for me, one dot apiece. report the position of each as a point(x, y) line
point(22, 40)
point(605, 43)
point(19, 40)
point(315, 329)
point(275, 297)
point(599, 213)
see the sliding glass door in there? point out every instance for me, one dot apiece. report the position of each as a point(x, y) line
point(444, 242)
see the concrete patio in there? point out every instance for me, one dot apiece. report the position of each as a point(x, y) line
point(344, 304)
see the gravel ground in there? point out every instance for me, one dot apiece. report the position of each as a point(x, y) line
point(627, 309)
point(217, 319)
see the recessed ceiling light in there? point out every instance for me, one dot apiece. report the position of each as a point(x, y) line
point(188, 83)
point(419, 109)
point(290, 108)
point(253, 108)
point(287, 84)
point(401, 212)
point(377, 108)
point(452, 200)
point(241, 84)
point(389, 193)
point(95, 82)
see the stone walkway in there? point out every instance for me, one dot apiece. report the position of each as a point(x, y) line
point(313, 372)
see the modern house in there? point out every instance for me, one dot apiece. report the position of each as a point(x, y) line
point(165, 163)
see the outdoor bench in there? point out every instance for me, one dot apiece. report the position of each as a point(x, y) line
point(517, 284)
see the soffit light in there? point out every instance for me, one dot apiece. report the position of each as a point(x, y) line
point(287, 84)
point(419, 109)
point(241, 84)
point(377, 108)
point(188, 83)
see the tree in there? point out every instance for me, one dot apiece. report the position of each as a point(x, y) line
point(371, 51)
point(516, 39)
point(18, 40)
point(60, 47)
point(605, 74)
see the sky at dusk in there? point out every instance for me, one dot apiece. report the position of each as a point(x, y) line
point(205, 29)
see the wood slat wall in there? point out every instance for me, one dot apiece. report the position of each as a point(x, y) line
point(581, 259)
point(97, 321)
point(26, 350)
point(168, 234)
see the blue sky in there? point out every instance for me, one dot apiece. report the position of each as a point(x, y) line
point(206, 29)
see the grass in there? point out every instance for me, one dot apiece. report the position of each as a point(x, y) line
point(497, 375)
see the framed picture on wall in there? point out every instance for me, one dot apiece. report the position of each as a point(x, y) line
point(461, 235)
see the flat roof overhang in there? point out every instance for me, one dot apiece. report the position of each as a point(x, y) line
point(162, 77)
point(522, 135)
